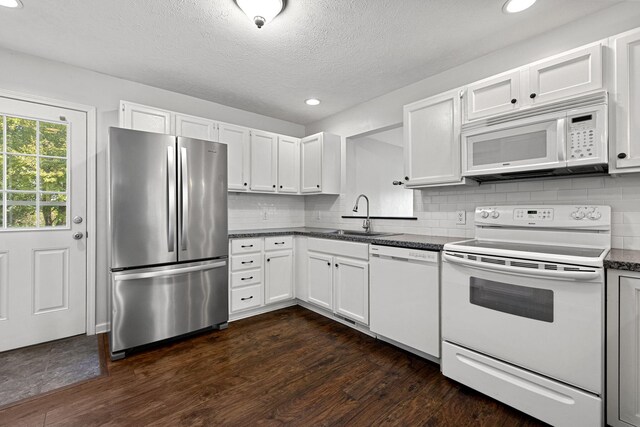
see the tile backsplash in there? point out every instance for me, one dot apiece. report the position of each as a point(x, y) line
point(436, 208)
point(250, 211)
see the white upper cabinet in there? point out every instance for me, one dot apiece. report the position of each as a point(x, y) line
point(499, 94)
point(432, 140)
point(264, 161)
point(625, 135)
point(237, 140)
point(566, 75)
point(321, 158)
point(288, 164)
point(148, 119)
point(196, 127)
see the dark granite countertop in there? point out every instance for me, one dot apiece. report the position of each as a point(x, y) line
point(619, 259)
point(400, 240)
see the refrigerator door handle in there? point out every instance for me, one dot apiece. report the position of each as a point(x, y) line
point(173, 272)
point(184, 179)
point(171, 198)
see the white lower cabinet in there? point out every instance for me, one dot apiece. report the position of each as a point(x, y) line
point(278, 276)
point(623, 342)
point(338, 278)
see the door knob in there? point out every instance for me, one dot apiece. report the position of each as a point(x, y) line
point(77, 219)
point(78, 235)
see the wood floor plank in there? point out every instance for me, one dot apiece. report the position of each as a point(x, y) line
point(289, 367)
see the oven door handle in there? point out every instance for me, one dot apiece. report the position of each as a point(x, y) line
point(523, 271)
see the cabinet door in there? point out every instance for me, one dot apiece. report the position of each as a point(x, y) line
point(566, 75)
point(311, 148)
point(141, 117)
point(196, 127)
point(320, 280)
point(432, 140)
point(288, 164)
point(352, 289)
point(629, 345)
point(278, 275)
point(626, 144)
point(499, 94)
point(237, 140)
point(264, 161)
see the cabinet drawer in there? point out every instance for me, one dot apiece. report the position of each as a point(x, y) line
point(246, 262)
point(246, 278)
point(245, 246)
point(244, 298)
point(278, 242)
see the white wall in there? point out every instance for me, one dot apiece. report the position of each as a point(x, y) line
point(36, 76)
point(436, 208)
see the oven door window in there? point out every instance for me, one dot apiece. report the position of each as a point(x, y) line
point(523, 301)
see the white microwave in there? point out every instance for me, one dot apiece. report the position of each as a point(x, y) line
point(557, 143)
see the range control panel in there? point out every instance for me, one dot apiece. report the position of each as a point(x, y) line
point(556, 216)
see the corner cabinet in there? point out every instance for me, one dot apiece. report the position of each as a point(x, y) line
point(623, 342)
point(320, 164)
point(432, 141)
point(625, 138)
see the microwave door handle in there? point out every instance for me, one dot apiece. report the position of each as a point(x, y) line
point(523, 271)
point(562, 139)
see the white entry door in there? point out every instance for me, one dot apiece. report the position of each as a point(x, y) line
point(42, 223)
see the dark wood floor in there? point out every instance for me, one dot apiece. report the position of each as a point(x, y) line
point(291, 367)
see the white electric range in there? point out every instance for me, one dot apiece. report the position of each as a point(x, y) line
point(523, 309)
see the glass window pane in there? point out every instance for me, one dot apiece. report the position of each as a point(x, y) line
point(53, 210)
point(1, 210)
point(53, 139)
point(21, 135)
point(21, 210)
point(53, 174)
point(1, 171)
point(21, 173)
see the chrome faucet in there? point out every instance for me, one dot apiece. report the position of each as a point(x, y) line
point(366, 224)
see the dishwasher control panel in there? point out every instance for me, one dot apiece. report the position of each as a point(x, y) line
point(404, 253)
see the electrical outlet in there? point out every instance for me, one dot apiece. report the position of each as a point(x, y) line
point(461, 217)
point(264, 214)
point(318, 215)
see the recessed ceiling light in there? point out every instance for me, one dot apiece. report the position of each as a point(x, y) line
point(312, 101)
point(14, 4)
point(515, 6)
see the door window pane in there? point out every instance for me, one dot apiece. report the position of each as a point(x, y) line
point(21, 173)
point(33, 173)
point(21, 135)
point(21, 210)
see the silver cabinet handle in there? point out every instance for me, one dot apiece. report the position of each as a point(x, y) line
point(184, 179)
point(171, 198)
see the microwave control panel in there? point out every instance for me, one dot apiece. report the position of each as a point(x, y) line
point(583, 142)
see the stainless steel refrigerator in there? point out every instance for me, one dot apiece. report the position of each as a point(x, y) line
point(168, 237)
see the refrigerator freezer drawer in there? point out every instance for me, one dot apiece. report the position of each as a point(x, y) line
point(154, 304)
point(550, 401)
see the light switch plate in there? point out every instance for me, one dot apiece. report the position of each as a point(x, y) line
point(461, 217)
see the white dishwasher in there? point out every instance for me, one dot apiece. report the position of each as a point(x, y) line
point(405, 297)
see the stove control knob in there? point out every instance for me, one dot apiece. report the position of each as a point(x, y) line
point(495, 214)
point(577, 215)
point(594, 215)
point(484, 214)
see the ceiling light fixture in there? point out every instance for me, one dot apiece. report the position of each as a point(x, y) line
point(259, 11)
point(312, 101)
point(515, 6)
point(14, 4)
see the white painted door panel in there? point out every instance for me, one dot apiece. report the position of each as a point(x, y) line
point(566, 75)
point(196, 127)
point(499, 94)
point(320, 280)
point(237, 140)
point(264, 161)
point(311, 164)
point(278, 276)
point(629, 345)
point(141, 117)
point(288, 164)
point(352, 289)
point(42, 267)
point(432, 140)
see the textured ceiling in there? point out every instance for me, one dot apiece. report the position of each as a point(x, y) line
point(343, 52)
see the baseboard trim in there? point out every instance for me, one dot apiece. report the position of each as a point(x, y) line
point(102, 328)
point(261, 310)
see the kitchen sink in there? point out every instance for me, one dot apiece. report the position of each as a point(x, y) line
point(359, 233)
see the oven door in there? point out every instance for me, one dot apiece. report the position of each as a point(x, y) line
point(523, 145)
point(552, 325)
